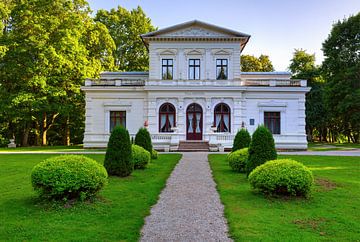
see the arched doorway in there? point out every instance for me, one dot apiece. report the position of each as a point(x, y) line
point(194, 122)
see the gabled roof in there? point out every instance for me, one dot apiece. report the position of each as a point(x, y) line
point(223, 33)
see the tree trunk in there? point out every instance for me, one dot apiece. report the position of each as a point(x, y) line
point(25, 137)
point(37, 133)
point(46, 126)
point(67, 132)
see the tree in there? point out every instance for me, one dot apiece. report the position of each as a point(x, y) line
point(52, 47)
point(143, 139)
point(242, 140)
point(250, 63)
point(125, 27)
point(118, 157)
point(303, 66)
point(341, 68)
point(262, 148)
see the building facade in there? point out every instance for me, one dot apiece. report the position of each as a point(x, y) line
point(195, 91)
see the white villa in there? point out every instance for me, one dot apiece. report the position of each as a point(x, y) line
point(195, 93)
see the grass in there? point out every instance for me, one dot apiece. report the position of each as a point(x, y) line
point(42, 149)
point(332, 146)
point(331, 214)
point(117, 216)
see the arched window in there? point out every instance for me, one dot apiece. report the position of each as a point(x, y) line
point(166, 118)
point(222, 118)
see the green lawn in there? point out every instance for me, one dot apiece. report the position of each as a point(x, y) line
point(117, 216)
point(42, 149)
point(332, 146)
point(332, 214)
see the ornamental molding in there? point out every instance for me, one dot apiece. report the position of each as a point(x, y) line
point(194, 32)
point(194, 52)
point(118, 104)
point(221, 51)
point(166, 51)
point(272, 104)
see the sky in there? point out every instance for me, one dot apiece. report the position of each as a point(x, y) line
point(277, 27)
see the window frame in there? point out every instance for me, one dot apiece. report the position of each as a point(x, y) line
point(222, 113)
point(193, 67)
point(222, 65)
point(167, 113)
point(273, 117)
point(119, 114)
point(167, 66)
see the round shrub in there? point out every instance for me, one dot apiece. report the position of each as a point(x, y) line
point(261, 149)
point(154, 154)
point(118, 158)
point(140, 157)
point(143, 139)
point(68, 177)
point(242, 140)
point(237, 160)
point(282, 177)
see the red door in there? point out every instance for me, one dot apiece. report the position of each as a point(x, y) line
point(194, 122)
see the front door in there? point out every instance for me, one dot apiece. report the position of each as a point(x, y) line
point(194, 122)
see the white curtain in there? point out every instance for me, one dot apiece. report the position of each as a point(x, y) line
point(162, 123)
point(198, 115)
point(217, 121)
point(171, 120)
point(190, 118)
point(226, 123)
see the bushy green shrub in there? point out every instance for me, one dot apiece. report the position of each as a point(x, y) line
point(3, 141)
point(68, 177)
point(261, 149)
point(282, 177)
point(154, 154)
point(237, 160)
point(118, 158)
point(143, 139)
point(140, 157)
point(242, 140)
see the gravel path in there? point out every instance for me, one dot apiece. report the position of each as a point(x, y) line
point(189, 208)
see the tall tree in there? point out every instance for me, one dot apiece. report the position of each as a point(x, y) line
point(250, 63)
point(125, 27)
point(342, 71)
point(51, 48)
point(302, 66)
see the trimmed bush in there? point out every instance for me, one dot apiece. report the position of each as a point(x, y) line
point(237, 160)
point(140, 157)
point(242, 140)
point(261, 149)
point(282, 177)
point(154, 154)
point(68, 177)
point(118, 158)
point(143, 139)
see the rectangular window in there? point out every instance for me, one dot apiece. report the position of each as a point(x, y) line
point(167, 69)
point(117, 118)
point(272, 121)
point(194, 69)
point(221, 69)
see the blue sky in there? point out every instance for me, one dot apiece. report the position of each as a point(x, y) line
point(276, 27)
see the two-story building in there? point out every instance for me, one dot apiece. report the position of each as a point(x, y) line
point(195, 91)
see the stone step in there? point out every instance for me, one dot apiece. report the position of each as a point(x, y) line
point(194, 145)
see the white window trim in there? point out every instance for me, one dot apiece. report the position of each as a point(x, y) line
point(281, 109)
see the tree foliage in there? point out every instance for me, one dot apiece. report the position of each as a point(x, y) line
point(242, 140)
point(52, 46)
point(250, 63)
point(262, 148)
point(125, 27)
point(118, 157)
point(342, 72)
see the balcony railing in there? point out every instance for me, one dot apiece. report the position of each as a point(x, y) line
point(274, 83)
point(114, 82)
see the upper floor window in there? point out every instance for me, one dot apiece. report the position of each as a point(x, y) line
point(222, 117)
point(272, 121)
point(167, 117)
point(117, 118)
point(221, 69)
point(167, 67)
point(194, 69)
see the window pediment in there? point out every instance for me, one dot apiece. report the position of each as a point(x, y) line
point(194, 51)
point(167, 51)
point(221, 52)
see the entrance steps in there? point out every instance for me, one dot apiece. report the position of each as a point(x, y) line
point(194, 145)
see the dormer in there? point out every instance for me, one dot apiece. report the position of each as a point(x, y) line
point(194, 51)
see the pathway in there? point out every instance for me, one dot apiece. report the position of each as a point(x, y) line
point(189, 208)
